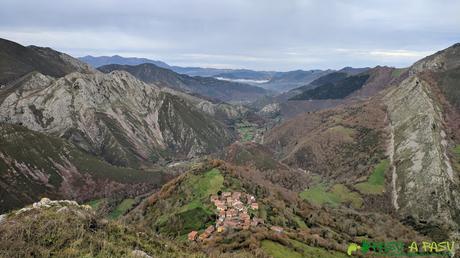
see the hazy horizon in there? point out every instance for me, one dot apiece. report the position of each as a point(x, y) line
point(256, 34)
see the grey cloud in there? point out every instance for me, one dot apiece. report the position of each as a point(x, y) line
point(269, 35)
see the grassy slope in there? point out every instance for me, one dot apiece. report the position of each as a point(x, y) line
point(95, 204)
point(336, 195)
point(76, 232)
point(375, 183)
point(122, 208)
point(189, 208)
point(297, 250)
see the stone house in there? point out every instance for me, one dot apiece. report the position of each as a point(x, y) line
point(231, 213)
point(226, 194)
point(192, 236)
point(238, 205)
point(230, 201)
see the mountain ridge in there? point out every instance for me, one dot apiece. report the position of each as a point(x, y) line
point(205, 86)
point(17, 61)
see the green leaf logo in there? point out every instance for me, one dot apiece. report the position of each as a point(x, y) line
point(353, 248)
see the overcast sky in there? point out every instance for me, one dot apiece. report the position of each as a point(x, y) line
point(256, 34)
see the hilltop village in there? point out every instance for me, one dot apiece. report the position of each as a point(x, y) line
point(235, 211)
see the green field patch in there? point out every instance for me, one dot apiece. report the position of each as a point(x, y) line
point(122, 208)
point(246, 131)
point(344, 195)
point(183, 222)
point(206, 184)
point(336, 195)
point(300, 222)
point(277, 250)
point(376, 181)
point(298, 249)
point(191, 208)
point(345, 132)
point(313, 252)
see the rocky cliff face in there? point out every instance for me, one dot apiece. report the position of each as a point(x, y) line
point(446, 59)
point(113, 115)
point(425, 186)
point(221, 111)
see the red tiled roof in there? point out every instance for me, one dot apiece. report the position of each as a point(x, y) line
point(192, 235)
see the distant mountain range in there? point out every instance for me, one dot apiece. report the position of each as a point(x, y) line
point(208, 87)
point(271, 80)
point(191, 71)
point(116, 59)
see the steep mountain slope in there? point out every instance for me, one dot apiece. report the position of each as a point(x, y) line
point(338, 88)
point(422, 168)
point(283, 98)
point(261, 158)
point(398, 151)
point(33, 165)
point(205, 86)
point(340, 85)
point(222, 111)
point(124, 120)
point(424, 122)
point(302, 80)
point(340, 144)
point(328, 78)
point(17, 60)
